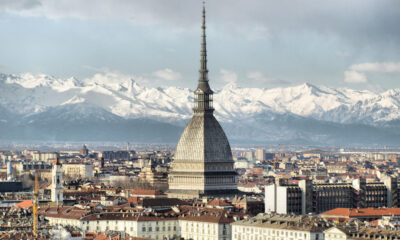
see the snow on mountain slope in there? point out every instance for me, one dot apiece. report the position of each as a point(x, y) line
point(29, 94)
point(28, 80)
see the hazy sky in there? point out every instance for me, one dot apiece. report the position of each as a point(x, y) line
point(257, 43)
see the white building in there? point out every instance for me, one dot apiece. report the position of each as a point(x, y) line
point(44, 156)
point(57, 189)
point(283, 199)
point(360, 233)
point(260, 154)
point(277, 227)
point(183, 222)
point(241, 163)
point(78, 170)
point(203, 225)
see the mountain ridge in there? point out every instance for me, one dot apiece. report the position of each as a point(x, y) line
point(247, 114)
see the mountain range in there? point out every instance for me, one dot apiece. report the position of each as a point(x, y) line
point(43, 107)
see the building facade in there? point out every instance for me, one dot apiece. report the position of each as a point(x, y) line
point(356, 233)
point(184, 222)
point(78, 170)
point(307, 197)
point(278, 227)
point(44, 156)
point(260, 154)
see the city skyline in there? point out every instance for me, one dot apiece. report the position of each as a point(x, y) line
point(308, 162)
point(261, 44)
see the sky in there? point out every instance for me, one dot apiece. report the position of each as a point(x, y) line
point(251, 43)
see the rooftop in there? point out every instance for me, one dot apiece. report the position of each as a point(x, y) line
point(362, 212)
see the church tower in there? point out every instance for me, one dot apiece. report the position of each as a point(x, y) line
point(203, 163)
point(57, 183)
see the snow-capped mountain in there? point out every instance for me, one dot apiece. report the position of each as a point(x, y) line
point(304, 113)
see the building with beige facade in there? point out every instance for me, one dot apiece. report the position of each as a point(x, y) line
point(44, 156)
point(77, 170)
point(279, 227)
point(178, 222)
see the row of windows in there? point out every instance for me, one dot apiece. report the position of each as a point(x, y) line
point(267, 231)
point(150, 229)
point(262, 233)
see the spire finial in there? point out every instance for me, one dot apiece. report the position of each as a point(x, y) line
point(203, 60)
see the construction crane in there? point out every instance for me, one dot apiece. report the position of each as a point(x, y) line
point(35, 203)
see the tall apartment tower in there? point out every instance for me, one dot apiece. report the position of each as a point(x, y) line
point(57, 189)
point(260, 154)
point(203, 163)
point(392, 192)
point(9, 171)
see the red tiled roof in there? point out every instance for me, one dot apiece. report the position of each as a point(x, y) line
point(205, 215)
point(146, 192)
point(361, 212)
point(90, 236)
point(64, 212)
point(24, 204)
point(101, 236)
point(374, 223)
point(217, 202)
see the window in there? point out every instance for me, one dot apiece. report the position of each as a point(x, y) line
point(144, 229)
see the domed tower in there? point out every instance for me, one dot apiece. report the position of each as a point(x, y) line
point(203, 164)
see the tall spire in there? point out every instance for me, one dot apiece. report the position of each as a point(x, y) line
point(203, 95)
point(203, 59)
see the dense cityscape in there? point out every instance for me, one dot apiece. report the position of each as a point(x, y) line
point(124, 193)
point(201, 188)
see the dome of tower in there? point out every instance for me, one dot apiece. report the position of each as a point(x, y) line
point(203, 140)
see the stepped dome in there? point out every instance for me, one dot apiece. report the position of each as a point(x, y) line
point(203, 140)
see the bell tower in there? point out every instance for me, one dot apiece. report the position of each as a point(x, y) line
point(57, 190)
